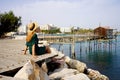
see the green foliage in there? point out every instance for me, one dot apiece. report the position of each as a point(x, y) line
point(81, 31)
point(84, 31)
point(8, 22)
point(53, 31)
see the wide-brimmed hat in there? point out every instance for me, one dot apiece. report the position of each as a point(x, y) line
point(33, 26)
point(31, 30)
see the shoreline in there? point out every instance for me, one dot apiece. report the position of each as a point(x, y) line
point(11, 50)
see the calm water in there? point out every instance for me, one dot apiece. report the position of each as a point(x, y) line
point(104, 56)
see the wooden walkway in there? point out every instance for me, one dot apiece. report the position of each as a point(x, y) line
point(11, 56)
point(67, 39)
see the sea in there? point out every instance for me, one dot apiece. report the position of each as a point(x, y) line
point(102, 55)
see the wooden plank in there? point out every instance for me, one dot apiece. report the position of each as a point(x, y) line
point(13, 64)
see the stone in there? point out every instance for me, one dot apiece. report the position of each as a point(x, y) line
point(60, 73)
point(79, 76)
point(31, 71)
point(96, 75)
point(75, 64)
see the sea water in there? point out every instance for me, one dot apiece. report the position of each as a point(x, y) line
point(103, 56)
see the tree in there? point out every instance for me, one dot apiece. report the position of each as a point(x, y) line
point(8, 22)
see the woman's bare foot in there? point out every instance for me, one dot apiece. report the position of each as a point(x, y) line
point(48, 49)
point(35, 56)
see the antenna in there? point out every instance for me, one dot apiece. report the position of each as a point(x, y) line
point(99, 24)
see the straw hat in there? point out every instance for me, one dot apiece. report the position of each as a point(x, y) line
point(31, 30)
point(33, 26)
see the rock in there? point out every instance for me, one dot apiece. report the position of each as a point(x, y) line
point(79, 76)
point(52, 66)
point(96, 75)
point(31, 71)
point(60, 73)
point(56, 63)
point(44, 67)
point(60, 55)
point(61, 61)
point(75, 64)
point(103, 77)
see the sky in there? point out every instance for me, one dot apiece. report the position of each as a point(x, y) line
point(66, 13)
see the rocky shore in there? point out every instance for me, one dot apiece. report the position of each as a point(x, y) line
point(71, 69)
point(58, 68)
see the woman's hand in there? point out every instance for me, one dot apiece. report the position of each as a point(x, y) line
point(25, 50)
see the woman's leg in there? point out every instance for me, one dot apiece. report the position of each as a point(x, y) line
point(33, 52)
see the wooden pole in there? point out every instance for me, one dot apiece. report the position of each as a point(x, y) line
point(70, 49)
point(80, 47)
point(73, 46)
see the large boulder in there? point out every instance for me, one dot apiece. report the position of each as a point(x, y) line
point(31, 71)
point(75, 64)
point(62, 72)
point(79, 76)
point(44, 67)
point(96, 75)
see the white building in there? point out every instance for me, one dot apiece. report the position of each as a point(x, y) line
point(48, 27)
point(22, 30)
point(45, 27)
point(65, 29)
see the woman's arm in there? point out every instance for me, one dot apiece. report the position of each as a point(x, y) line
point(25, 50)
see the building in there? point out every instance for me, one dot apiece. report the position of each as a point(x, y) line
point(103, 32)
point(22, 30)
point(65, 30)
point(45, 27)
point(48, 27)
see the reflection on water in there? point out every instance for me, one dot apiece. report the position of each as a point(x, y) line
point(104, 56)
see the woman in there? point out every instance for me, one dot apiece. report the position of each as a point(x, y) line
point(32, 41)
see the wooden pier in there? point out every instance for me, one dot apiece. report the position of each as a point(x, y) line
point(94, 41)
point(67, 39)
point(71, 38)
